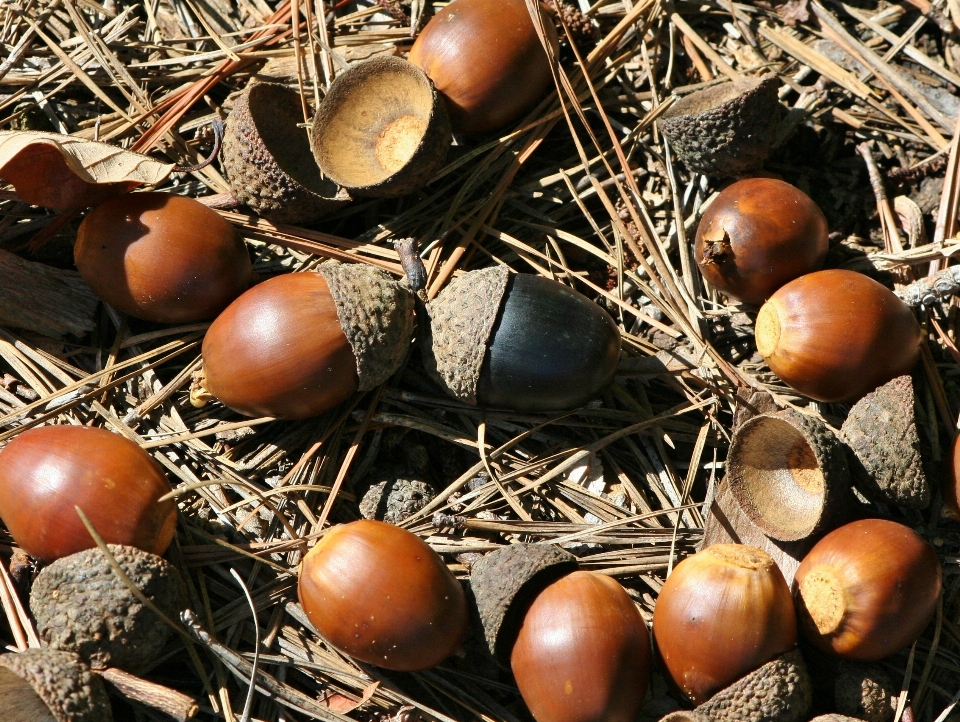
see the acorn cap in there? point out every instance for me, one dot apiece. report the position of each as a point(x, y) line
point(685, 715)
point(68, 688)
point(267, 158)
point(779, 691)
point(394, 499)
point(382, 130)
point(82, 606)
point(788, 473)
point(461, 321)
point(884, 446)
point(835, 718)
point(376, 315)
point(725, 129)
point(865, 691)
point(505, 582)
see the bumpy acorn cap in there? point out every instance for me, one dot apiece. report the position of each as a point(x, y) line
point(779, 691)
point(382, 130)
point(376, 315)
point(71, 692)
point(82, 606)
point(865, 691)
point(268, 161)
point(461, 321)
point(504, 584)
point(394, 499)
point(788, 473)
point(725, 129)
point(886, 458)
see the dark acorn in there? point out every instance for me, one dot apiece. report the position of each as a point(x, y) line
point(519, 341)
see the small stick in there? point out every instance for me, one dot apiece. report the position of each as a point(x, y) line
point(163, 699)
point(887, 221)
point(932, 289)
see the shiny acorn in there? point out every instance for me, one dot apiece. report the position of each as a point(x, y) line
point(757, 235)
point(519, 341)
point(836, 335)
point(722, 613)
point(380, 594)
point(162, 257)
point(867, 590)
point(299, 344)
point(48, 471)
point(486, 59)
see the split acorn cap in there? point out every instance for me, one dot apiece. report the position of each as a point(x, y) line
point(268, 161)
point(46, 685)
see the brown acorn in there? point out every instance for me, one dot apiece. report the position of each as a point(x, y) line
point(45, 685)
point(267, 158)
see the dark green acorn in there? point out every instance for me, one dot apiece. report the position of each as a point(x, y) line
point(519, 341)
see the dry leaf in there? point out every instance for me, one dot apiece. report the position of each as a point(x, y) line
point(65, 173)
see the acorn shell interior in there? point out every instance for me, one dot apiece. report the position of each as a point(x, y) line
point(276, 113)
point(711, 98)
point(381, 128)
point(778, 480)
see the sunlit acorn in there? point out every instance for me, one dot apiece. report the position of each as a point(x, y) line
point(46, 472)
point(487, 60)
point(81, 605)
point(380, 594)
point(299, 344)
point(162, 257)
point(867, 590)
point(267, 158)
point(46, 685)
point(382, 129)
point(519, 341)
point(836, 335)
point(721, 614)
point(757, 235)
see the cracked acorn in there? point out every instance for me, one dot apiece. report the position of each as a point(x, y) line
point(298, 344)
point(380, 594)
point(48, 471)
point(520, 342)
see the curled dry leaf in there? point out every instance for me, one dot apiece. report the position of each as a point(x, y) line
point(65, 173)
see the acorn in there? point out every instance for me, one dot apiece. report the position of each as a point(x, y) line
point(268, 161)
point(519, 341)
point(299, 344)
point(395, 498)
point(48, 471)
point(836, 335)
point(82, 606)
point(887, 456)
point(951, 483)
point(583, 652)
point(162, 257)
point(44, 685)
point(484, 90)
point(788, 472)
point(722, 613)
point(867, 590)
point(726, 129)
point(382, 130)
point(757, 235)
point(866, 692)
point(382, 595)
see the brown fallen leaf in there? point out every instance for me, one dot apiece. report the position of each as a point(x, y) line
point(65, 173)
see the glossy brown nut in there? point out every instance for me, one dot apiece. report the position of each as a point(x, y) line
point(162, 257)
point(378, 593)
point(487, 60)
point(722, 613)
point(48, 471)
point(867, 589)
point(836, 335)
point(583, 652)
point(757, 235)
point(279, 350)
point(951, 484)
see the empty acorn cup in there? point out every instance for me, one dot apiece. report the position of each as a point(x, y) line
point(886, 453)
point(788, 472)
point(382, 130)
point(267, 159)
point(725, 129)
